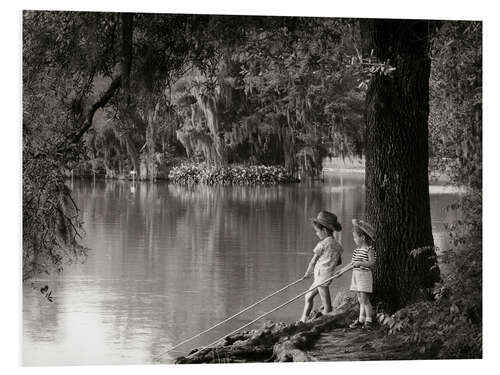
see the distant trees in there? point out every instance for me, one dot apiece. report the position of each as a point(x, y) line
point(273, 90)
point(280, 93)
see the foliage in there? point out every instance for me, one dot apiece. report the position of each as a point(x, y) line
point(47, 293)
point(455, 119)
point(53, 101)
point(282, 94)
point(299, 79)
point(285, 90)
point(452, 323)
point(266, 90)
point(51, 223)
point(74, 64)
point(234, 175)
point(461, 289)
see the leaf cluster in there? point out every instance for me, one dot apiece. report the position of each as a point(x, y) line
point(455, 119)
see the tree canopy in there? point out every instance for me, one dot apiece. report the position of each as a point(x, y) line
point(228, 88)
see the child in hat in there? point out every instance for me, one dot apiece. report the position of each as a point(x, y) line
point(326, 256)
point(363, 260)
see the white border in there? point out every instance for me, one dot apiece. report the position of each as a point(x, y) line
point(427, 9)
point(11, 157)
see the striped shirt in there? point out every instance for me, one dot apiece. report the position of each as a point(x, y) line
point(361, 255)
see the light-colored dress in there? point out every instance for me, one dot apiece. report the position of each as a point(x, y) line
point(329, 251)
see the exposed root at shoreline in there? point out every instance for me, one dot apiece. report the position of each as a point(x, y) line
point(323, 338)
point(273, 342)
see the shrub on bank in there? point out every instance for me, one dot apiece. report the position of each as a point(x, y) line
point(450, 325)
point(230, 175)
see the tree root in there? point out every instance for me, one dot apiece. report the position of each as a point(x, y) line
point(277, 342)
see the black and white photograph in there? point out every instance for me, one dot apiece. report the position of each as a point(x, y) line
point(220, 188)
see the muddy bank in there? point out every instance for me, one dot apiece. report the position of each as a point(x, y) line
point(324, 338)
point(273, 342)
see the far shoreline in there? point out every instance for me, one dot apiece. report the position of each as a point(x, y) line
point(439, 183)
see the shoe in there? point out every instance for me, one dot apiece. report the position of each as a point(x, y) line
point(368, 325)
point(355, 324)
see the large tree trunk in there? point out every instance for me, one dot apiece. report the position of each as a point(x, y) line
point(397, 184)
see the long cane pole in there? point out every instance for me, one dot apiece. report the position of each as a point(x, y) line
point(228, 319)
point(336, 275)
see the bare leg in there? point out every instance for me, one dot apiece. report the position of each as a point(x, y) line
point(324, 293)
point(309, 301)
point(368, 307)
point(361, 301)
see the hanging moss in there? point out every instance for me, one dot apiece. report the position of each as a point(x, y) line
point(196, 141)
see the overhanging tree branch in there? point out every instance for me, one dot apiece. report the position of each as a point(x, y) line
point(100, 103)
point(121, 80)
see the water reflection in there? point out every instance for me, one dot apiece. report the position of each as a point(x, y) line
point(168, 262)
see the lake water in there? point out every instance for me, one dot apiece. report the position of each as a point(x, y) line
point(167, 262)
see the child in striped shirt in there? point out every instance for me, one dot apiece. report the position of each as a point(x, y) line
point(363, 260)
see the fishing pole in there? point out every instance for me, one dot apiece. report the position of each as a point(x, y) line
point(336, 275)
point(228, 319)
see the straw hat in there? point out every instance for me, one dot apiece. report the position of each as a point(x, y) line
point(364, 227)
point(328, 220)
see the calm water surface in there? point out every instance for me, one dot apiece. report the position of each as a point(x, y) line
point(167, 262)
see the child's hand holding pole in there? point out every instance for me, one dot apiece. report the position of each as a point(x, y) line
point(310, 268)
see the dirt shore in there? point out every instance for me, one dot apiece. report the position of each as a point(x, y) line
point(323, 338)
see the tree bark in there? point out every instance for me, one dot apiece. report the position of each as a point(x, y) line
point(397, 184)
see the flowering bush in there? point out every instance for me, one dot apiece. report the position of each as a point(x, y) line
point(231, 175)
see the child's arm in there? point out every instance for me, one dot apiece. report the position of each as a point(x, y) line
point(310, 267)
point(371, 260)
